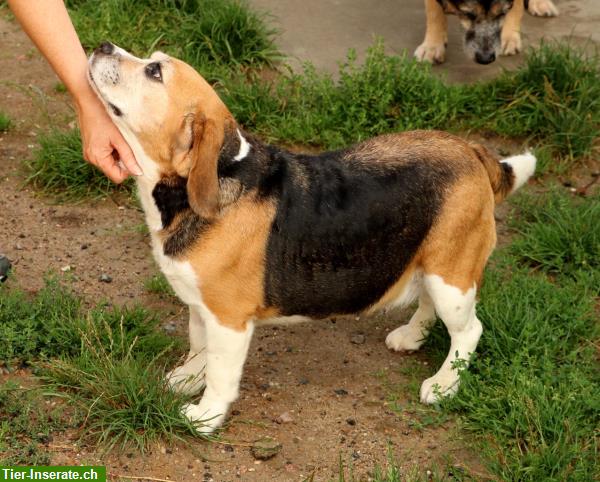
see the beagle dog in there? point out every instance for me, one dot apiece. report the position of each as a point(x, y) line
point(492, 27)
point(249, 233)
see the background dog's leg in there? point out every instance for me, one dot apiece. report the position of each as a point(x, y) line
point(189, 377)
point(511, 31)
point(226, 351)
point(457, 310)
point(411, 336)
point(543, 8)
point(433, 48)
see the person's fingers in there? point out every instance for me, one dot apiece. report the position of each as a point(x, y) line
point(110, 167)
point(126, 156)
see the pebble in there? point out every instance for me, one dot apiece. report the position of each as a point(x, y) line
point(5, 266)
point(340, 391)
point(66, 269)
point(358, 339)
point(285, 417)
point(351, 421)
point(170, 327)
point(265, 448)
point(104, 278)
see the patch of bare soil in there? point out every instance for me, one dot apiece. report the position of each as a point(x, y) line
point(319, 389)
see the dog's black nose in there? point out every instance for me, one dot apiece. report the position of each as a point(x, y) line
point(105, 48)
point(485, 57)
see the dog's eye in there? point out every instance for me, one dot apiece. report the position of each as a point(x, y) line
point(153, 71)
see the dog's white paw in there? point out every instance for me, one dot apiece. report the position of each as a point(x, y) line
point(188, 378)
point(434, 53)
point(207, 416)
point(404, 338)
point(511, 43)
point(439, 386)
point(543, 8)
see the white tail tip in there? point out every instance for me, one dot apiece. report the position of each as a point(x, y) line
point(523, 166)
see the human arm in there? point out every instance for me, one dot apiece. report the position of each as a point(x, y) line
point(48, 25)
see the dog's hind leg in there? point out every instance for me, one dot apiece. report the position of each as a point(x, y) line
point(511, 31)
point(457, 310)
point(226, 350)
point(411, 336)
point(189, 377)
point(453, 259)
point(433, 48)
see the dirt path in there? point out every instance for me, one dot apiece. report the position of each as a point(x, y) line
point(331, 383)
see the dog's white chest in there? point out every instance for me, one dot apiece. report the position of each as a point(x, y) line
point(180, 275)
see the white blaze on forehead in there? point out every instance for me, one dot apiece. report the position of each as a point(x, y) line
point(244, 147)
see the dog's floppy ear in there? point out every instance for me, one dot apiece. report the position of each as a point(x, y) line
point(203, 182)
point(448, 6)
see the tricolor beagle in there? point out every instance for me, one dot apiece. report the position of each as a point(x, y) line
point(491, 27)
point(248, 233)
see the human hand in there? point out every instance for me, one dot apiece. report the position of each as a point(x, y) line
point(103, 144)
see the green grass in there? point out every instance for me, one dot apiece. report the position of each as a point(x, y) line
point(158, 285)
point(28, 425)
point(58, 168)
point(5, 122)
point(109, 363)
point(209, 34)
point(118, 380)
point(532, 394)
point(554, 99)
point(560, 236)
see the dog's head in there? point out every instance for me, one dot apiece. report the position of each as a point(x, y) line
point(482, 20)
point(165, 107)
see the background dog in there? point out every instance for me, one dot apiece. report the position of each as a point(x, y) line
point(248, 233)
point(492, 27)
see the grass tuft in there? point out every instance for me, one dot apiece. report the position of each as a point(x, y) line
point(559, 234)
point(58, 168)
point(200, 32)
point(27, 425)
point(109, 363)
point(158, 285)
point(118, 380)
point(554, 98)
point(5, 122)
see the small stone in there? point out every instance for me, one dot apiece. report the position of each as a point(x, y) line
point(358, 339)
point(285, 417)
point(85, 246)
point(104, 278)
point(303, 381)
point(170, 327)
point(341, 391)
point(265, 448)
point(5, 266)
point(351, 421)
point(66, 269)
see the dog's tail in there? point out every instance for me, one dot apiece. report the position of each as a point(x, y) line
point(507, 175)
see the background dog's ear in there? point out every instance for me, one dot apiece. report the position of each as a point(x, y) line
point(448, 6)
point(203, 181)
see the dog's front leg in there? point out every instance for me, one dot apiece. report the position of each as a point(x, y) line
point(511, 31)
point(189, 377)
point(226, 350)
point(433, 48)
